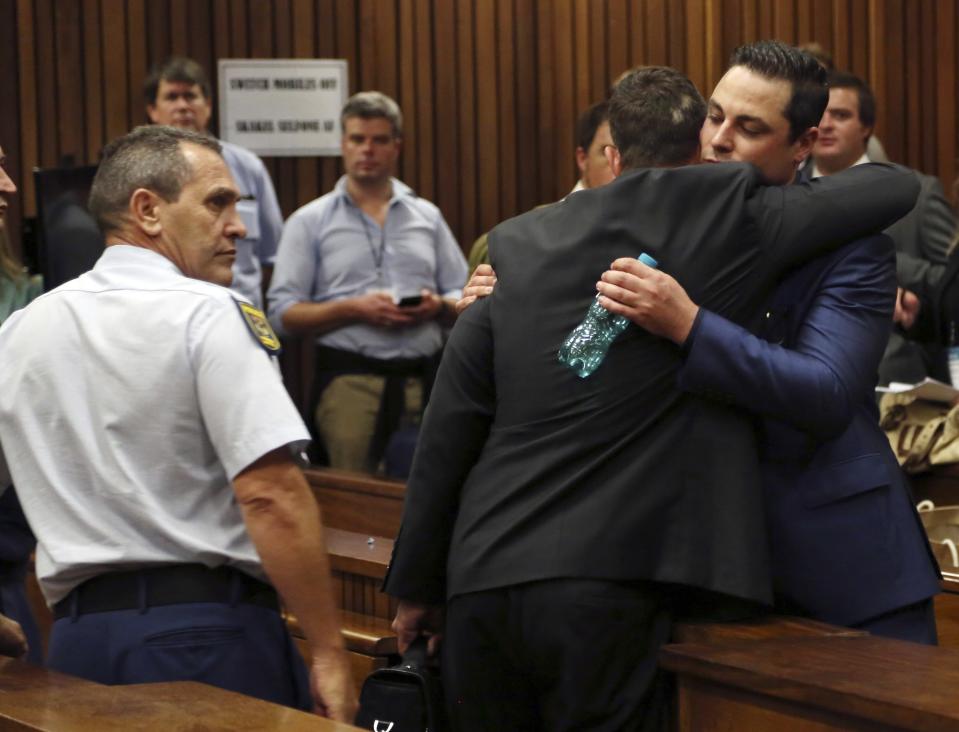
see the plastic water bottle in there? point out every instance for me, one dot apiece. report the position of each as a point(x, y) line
point(953, 355)
point(585, 347)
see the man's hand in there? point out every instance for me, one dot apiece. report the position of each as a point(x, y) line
point(650, 298)
point(331, 683)
point(378, 308)
point(479, 286)
point(282, 518)
point(907, 308)
point(413, 620)
point(13, 641)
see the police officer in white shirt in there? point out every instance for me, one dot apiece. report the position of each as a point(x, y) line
point(146, 427)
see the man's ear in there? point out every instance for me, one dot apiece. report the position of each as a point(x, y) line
point(804, 145)
point(581, 161)
point(614, 159)
point(144, 211)
point(152, 113)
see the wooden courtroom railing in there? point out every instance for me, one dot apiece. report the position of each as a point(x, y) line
point(33, 698)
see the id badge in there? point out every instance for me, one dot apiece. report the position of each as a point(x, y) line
point(250, 214)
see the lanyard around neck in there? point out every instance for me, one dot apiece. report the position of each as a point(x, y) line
point(375, 254)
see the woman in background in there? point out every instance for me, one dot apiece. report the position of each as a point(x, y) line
point(17, 288)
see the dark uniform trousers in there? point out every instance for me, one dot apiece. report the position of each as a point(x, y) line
point(16, 543)
point(233, 645)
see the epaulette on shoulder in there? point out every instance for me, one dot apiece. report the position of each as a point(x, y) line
point(260, 327)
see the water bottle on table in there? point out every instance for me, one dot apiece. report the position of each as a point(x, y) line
point(585, 347)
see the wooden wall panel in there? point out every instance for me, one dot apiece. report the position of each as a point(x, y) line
point(506, 122)
point(92, 81)
point(68, 43)
point(527, 110)
point(491, 89)
point(48, 137)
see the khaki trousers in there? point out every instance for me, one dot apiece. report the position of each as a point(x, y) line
point(346, 417)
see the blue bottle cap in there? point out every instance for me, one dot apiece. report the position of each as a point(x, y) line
point(648, 260)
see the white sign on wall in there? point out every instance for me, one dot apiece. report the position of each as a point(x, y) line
point(283, 107)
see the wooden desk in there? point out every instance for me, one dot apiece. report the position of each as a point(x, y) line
point(815, 685)
point(767, 627)
point(33, 698)
point(939, 484)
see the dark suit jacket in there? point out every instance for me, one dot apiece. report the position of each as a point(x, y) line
point(845, 540)
point(525, 471)
point(938, 319)
point(922, 238)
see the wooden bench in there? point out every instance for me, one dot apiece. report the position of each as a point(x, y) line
point(34, 698)
point(357, 502)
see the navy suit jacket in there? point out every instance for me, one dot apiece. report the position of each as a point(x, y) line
point(846, 543)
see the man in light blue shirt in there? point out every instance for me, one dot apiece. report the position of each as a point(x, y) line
point(373, 271)
point(177, 93)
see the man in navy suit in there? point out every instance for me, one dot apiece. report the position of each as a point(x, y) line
point(846, 543)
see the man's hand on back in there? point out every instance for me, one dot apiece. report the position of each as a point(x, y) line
point(480, 285)
point(907, 308)
point(650, 298)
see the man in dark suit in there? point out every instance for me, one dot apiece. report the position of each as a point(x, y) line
point(846, 543)
point(922, 237)
point(560, 519)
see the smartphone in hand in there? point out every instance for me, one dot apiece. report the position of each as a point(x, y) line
point(410, 301)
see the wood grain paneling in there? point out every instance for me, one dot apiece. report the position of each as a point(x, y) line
point(490, 88)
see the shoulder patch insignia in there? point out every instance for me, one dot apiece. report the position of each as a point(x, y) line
point(260, 327)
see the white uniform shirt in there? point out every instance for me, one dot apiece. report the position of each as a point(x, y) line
point(130, 397)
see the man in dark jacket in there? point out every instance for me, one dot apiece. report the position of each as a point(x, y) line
point(558, 518)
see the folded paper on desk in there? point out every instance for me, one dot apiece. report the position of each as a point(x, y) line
point(928, 389)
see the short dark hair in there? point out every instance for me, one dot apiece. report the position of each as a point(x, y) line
point(655, 115)
point(589, 121)
point(176, 68)
point(778, 60)
point(372, 105)
point(867, 102)
point(148, 157)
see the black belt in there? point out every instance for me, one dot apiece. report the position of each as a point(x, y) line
point(332, 362)
point(169, 585)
